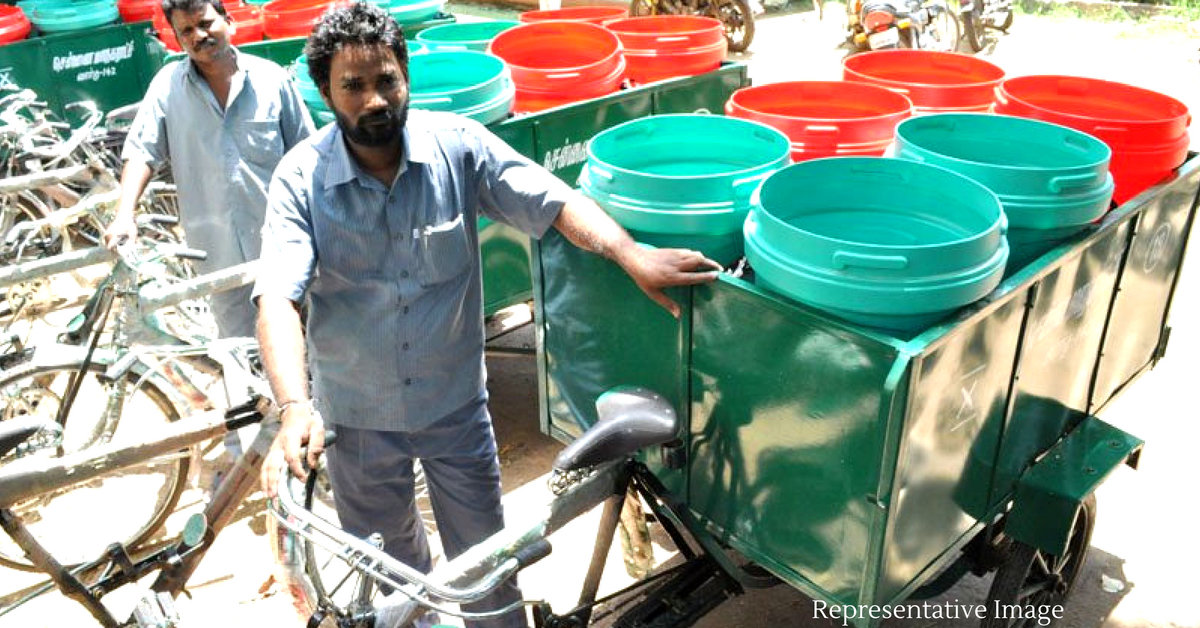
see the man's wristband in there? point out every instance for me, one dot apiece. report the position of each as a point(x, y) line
point(283, 407)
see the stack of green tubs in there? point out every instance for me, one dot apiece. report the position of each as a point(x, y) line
point(683, 181)
point(887, 243)
point(1053, 181)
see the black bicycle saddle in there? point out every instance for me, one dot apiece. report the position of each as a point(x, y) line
point(629, 418)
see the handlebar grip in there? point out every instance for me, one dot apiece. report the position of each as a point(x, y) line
point(193, 254)
point(158, 219)
point(533, 552)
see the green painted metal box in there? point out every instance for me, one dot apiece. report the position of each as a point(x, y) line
point(852, 464)
point(110, 65)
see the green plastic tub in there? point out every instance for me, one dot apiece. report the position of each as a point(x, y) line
point(1052, 181)
point(473, 84)
point(883, 242)
point(62, 16)
point(683, 180)
point(463, 36)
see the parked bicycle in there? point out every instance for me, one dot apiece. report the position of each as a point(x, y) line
point(103, 382)
point(109, 567)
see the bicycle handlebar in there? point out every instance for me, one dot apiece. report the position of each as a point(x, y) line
point(470, 576)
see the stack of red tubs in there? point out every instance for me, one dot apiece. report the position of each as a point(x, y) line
point(659, 47)
point(1146, 131)
point(247, 20)
point(935, 82)
point(598, 15)
point(558, 62)
point(293, 18)
point(825, 118)
point(14, 26)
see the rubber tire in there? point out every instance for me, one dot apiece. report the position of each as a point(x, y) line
point(1014, 573)
point(176, 481)
point(639, 8)
point(952, 19)
point(1008, 22)
point(297, 560)
point(734, 8)
point(973, 29)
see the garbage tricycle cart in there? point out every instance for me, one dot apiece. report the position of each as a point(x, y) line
point(862, 468)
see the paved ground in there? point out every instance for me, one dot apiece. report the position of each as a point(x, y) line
point(1141, 567)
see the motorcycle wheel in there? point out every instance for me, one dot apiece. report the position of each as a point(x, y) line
point(738, 19)
point(638, 8)
point(1008, 20)
point(942, 33)
point(973, 29)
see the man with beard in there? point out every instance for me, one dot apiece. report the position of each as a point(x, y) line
point(373, 222)
point(222, 120)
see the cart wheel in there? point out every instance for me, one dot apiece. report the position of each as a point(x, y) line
point(1031, 577)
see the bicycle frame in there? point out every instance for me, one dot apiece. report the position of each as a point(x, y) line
point(26, 478)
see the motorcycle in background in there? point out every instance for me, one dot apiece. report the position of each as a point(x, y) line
point(883, 24)
point(979, 15)
point(736, 15)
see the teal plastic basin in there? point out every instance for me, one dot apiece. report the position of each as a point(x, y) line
point(883, 242)
point(407, 12)
point(463, 36)
point(473, 84)
point(60, 16)
point(683, 180)
point(1052, 180)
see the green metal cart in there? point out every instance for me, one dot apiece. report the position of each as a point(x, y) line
point(865, 469)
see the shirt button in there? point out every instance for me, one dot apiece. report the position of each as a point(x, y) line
point(408, 381)
point(404, 346)
point(404, 273)
point(405, 310)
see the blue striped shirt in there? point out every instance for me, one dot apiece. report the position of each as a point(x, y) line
point(392, 275)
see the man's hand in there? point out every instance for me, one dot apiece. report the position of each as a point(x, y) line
point(301, 426)
point(121, 230)
point(655, 269)
point(589, 228)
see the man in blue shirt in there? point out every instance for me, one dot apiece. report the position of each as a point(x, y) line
point(222, 120)
point(373, 222)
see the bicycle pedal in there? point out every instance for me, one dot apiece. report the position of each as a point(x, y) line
point(156, 610)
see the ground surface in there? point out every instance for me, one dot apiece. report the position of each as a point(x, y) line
point(1141, 568)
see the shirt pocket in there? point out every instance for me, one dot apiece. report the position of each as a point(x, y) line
point(261, 142)
point(444, 252)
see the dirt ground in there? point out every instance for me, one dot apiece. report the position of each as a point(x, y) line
point(1140, 569)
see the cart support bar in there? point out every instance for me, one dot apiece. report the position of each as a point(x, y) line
point(1049, 494)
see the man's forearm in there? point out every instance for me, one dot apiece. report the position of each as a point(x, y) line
point(281, 339)
point(134, 177)
point(588, 227)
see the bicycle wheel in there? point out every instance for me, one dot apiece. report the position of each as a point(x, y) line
point(128, 505)
point(316, 577)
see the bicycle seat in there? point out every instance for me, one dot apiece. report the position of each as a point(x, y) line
point(17, 431)
point(629, 418)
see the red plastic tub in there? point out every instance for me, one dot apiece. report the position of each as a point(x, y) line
point(658, 47)
point(248, 19)
point(934, 81)
point(293, 18)
point(1146, 130)
point(14, 26)
point(825, 118)
point(137, 10)
point(595, 14)
point(554, 63)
